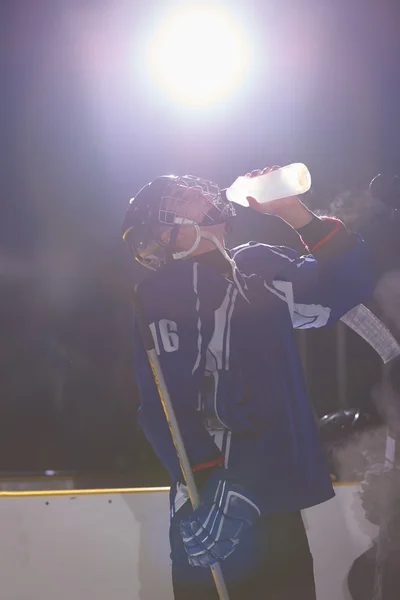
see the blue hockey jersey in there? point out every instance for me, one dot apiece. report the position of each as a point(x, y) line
point(232, 366)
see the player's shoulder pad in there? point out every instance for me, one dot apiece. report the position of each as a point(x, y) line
point(254, 251)
point(263, 259)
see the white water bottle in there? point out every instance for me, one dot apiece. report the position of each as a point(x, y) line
point(287, 181)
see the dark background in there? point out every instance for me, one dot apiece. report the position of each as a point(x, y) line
point(83, 128)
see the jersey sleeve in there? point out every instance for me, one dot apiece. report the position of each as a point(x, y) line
point(178, 325)
point(318, 288)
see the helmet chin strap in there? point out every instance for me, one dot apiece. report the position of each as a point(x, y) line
point(212, 238)
point(205, 235)
point(185, 253)
point(209, 236)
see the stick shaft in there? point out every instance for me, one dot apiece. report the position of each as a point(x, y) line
point(382, 545)
point(173, 425)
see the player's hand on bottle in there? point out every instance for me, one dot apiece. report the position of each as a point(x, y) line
point(214, 529)
point(290, 209)
point(274, 206)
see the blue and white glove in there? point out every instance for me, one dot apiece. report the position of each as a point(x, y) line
point(214, 529)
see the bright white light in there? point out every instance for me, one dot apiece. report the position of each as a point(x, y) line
point(199, 55)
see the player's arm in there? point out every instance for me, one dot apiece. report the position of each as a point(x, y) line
point(322, 286)
point(180, 341)
point(335, 277)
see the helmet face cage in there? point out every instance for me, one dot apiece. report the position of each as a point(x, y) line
point(189, 200)
point(186, 200)
point(141, 236)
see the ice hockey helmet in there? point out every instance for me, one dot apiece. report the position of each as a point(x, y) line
point(167, 202)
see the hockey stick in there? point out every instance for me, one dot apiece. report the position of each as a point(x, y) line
point(165, 398)
point(361, 320)
point(373, 331)
point(381, 546)
point(382, 549)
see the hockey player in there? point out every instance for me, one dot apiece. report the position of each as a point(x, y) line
point(222, 324)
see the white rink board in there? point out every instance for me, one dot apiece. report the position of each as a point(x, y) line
point(85, 547)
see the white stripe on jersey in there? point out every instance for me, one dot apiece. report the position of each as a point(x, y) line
point(303, 316)
point(286, 288)
point(216, 382)
point(272, 249)
point(181, 497)
point(310, 315)
point(305, 259)
point(216, 345)
point(227, 448)
point(199, 336)
point(228, 334)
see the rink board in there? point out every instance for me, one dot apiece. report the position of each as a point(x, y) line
point(98, 546)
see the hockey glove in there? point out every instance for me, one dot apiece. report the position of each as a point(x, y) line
point(214, 529)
